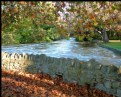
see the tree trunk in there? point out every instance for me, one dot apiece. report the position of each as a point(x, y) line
point(119, 37)
point(105, 36)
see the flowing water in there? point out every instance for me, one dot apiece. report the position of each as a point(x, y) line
point(67, 49)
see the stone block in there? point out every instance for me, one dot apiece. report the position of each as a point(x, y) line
point(17, 65)
point(119, 92)
point(112, 69)
point(16, 56)
point(8, 56)
point(97, 73)
point(111, 91)
point(29, 57)
point(20, 56)
point(104, 69)
point(100, 86)
point(119, 70)
point(112, 76)
point(84, 66)
point(34, 58)
point(116, 84)
point(94, 65)
point(50, 60)
point(11, 66)
point(4, 55)
point(107, 84)
point(12, 55)
point(77, 64)
point(120, 85)
point(82, 81)
point(99, 80)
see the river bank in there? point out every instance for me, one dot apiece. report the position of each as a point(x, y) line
point(113, 46)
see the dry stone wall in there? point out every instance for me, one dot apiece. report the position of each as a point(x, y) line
point(100, 76)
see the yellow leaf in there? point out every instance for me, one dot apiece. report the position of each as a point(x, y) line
point(95, 23)
point(22, 2)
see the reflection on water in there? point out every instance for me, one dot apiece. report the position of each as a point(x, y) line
point(68, 49)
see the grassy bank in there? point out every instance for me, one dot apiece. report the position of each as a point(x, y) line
point(114, 45)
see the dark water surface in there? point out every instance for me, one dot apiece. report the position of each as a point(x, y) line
point(67, 49)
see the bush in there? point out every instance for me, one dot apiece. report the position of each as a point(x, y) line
point(8, 39)
point(79, 38)
point(26, 32)
point(97, 36)
point(113, 35)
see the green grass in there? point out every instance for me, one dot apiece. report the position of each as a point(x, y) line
point(115, 45)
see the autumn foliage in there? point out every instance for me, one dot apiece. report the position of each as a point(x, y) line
point(30, 22)
point(19, 84)
point(22, 21)
point(22, 2)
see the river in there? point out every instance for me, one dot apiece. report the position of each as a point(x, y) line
point(67, 49)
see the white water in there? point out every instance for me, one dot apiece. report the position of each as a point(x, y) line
point(67, 49)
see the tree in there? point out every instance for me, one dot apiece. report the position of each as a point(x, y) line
point(91, 15)
point(23, 21)
point(66, 17)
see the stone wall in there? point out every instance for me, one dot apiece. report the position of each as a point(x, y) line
point(103, 77)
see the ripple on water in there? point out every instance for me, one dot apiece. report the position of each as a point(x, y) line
point(68, 49)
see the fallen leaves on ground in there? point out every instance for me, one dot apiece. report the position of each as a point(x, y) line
point(19, 84)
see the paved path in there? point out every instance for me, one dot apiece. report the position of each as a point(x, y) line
point(114, 41)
